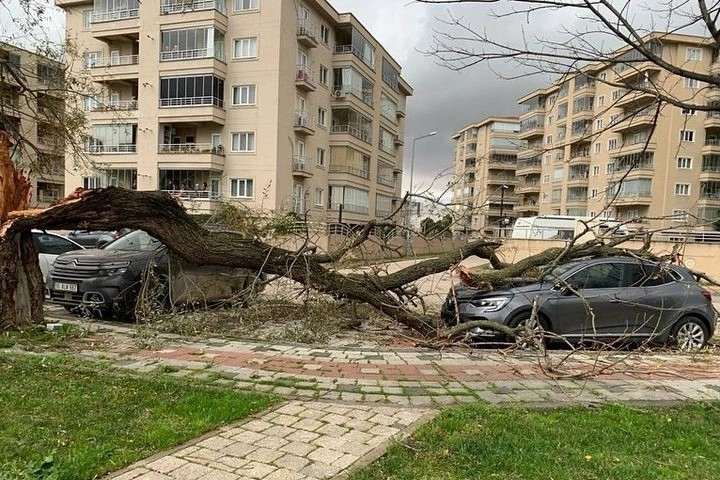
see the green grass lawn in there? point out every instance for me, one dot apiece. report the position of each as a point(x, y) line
point(67, 419)
point(613, 442)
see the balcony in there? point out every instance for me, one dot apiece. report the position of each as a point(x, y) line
point(630, 96)
point(122, 149)
point(626, 199)
point(579, 157)
point(710, 172)
point(529, 208)
point(353, 131)
point(168, 7)
point(580, 179)
point(532, 127)
point(528, 186)
point(306, 33)
point(712, 119)
point(638, 146)
point(711, 146)
point(527, 166)
point(114, 109)
point(386, 180)
point(301, 166)
point(191, 155)
point(502, 180)
point(584, 113)
point(630, 71)
point(192, 109)
point(576, 200)
point(122, 67)
point(635, 121)
point(304, 78)
point(710, 199)
point(194, 54)
point(304, 123)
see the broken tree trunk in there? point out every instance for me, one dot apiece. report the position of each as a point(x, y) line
point(20, 277)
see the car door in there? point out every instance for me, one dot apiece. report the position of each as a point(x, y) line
point(661, 302)
point(49, 247)
point(588, 302)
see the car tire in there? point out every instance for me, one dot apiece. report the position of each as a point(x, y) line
point(70, 308)
point(521, 319)
point(689, 334)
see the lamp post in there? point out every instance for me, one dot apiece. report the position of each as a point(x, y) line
point(502, 207)
point(407, 210)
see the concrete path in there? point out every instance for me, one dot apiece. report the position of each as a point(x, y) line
point(344, 404)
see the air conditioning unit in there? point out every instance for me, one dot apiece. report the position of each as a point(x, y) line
point(339, 94)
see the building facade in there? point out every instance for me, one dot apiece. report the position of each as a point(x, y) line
point(600, 143)
point(279, 105)
point(31, 112)
point(485, 185)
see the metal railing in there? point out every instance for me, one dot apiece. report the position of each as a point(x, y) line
point(301, 164)
point(303, 119)
point(118, 61)
point(364, 95)
point(98, 149)
point(179, 6)
point(358, 172)
point(355, 132)
point(304, 74)
point(350, 207)
point(190, 54)
point(191, 101)
point(191, 148)
point(305, 28)
point(386, 180)
point(195, 194)
point(111, 16)
point(124, 105)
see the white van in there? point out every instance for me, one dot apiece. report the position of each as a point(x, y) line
point(564, 227)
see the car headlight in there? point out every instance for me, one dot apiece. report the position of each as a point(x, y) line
point(490, 304)
point(112, 268)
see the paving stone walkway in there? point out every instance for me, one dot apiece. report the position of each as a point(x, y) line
point(345, 404)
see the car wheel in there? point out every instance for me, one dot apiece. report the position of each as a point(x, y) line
point(689, 334)
point(70, 308)
point(521, 320)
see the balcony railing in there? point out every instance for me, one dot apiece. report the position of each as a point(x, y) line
point(303, 119)
point(386, 180)
point(386, 147)
point(191, 148)
point(190, 101)
point(190, 54)
point(350, 207)
point(365, 95)
point(180, 6)
point(119, 105)
point(99, 17)
point(304, 74)
point(195, 194)
point(358, 172)
point(355, 51)
point(301, 164)
point(712, 141)
point(355, 132)
point(306, 28)
point(710, 168)
point(99, 149)
point(116, 61)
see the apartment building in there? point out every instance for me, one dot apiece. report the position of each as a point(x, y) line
point(484, 193)
point(593, 146)
point(31, 109)
point(279, 105)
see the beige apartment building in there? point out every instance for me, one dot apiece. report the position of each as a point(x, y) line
point(485, 189)
point(31, 108)
point(280, 105)
point(592, 146)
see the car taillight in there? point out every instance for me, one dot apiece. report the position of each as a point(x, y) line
point(706, 293)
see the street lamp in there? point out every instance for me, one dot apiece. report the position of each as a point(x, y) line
point(407, 211)
point(503, 223)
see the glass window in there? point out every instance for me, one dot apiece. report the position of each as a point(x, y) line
point(390, 75)
point(323, 75)
point(53, 244)
point(682, 189)
point(87, 19)
point(687, 135)
point(319, 197)
point(244, 95)
point(135, 241)
point(324, 33)
point(322, 117)
point(243, 142)
point(321, 157)
point(246, 5)
point(245, 47)
point(693, 54)
point(241, 187)
point(684, 162)
point(603, 275)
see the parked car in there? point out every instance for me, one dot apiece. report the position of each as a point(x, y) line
point(110, 279)
point(631, 299)
point(96, 238)
point(49, 246)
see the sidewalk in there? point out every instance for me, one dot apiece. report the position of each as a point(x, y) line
point(344, 405)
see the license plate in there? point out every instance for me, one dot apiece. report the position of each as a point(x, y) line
point(66, 287)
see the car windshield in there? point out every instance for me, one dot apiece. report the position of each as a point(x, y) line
point(560, 269)
point(137, 241)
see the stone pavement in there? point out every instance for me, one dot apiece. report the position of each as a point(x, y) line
point(346, 404)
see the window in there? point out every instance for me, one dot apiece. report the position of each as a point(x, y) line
point(320, 160)
point(323, 75)
point(195, 90)
point(684, 162)
point(550, 120)
point(546, 178)
point(545, 197)
point(593, 193)
point(546, 159)
point(243, 95)
point(558, 175)
point(601, 101)
point(53, 244)
point(87, 19)
point(245, 47)
point(609, 168)
point(687, 135)
point(679, 216)
point(92, 59)
point(691, 83)
point(682, 189)
point(92, 182)
point(688, 111)
point(243, 142)
point(598, 124)
point(603, 275)
point(324, 34)
point(602, 76)
point(319, 197)
point(322, 117)
point(241, 187)
point(596, 170)
point(693, 54)
point(548, 139)
point(90, 103)
point(612, 144)
point(246, 5)
point(597, 147)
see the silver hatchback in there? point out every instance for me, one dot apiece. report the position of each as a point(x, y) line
point(602, 299)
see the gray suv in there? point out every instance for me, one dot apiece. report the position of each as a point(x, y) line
point(630, 299)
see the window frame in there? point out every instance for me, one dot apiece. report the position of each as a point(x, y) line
point(245, 182)
point(256, 8)
point(682, 189)
point(250, 87)
point(679, 164)
point(687, 136)
point(248, 57)
point(248, 134)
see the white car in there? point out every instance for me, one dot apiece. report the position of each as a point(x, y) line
point(49, 246)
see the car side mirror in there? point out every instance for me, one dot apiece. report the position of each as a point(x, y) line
point(567, 289)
